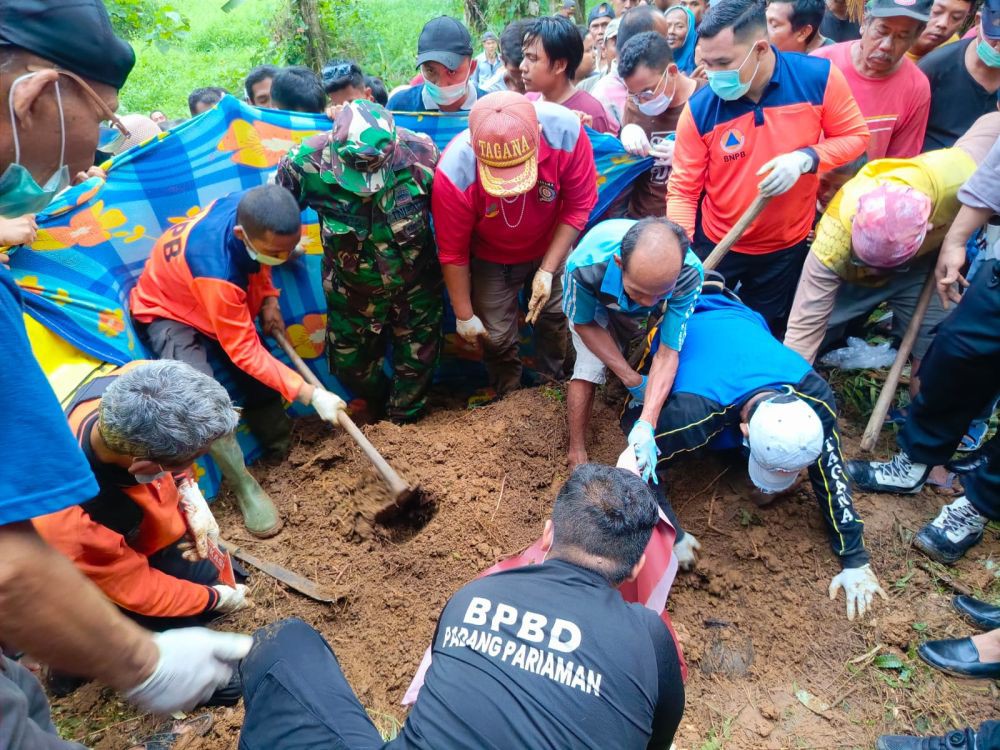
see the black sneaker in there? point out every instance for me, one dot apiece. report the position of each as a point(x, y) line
point(957, 528)
point(957, 740)
point(899, 475)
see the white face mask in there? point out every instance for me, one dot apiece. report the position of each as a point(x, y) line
point(264, 260)
point(447, 94)
point(658, 104)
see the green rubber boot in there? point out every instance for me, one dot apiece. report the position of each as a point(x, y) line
point(259, 514)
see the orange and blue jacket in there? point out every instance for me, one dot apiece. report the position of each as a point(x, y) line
point(807, 106)
point(200, 274)
point(111, 537)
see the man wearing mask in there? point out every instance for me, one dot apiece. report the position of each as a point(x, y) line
point(64, 66)
point(756, 129)
point(657, 93)
point(892, 93)
point(204, 283)
point(511, 195)
point(964, 80)
point(444, 57)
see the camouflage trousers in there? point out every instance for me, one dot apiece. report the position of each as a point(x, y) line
point(358, 339)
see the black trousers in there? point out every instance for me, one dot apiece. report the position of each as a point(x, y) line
point(958, 379)
point(169, 560)
point(765, 283)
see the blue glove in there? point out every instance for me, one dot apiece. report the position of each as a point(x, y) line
point(638, 391)
point(643, 444)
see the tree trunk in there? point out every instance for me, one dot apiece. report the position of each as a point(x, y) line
point(317, 46)
point(475, 15)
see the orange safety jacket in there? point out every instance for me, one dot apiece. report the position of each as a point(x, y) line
point(201, 275)
point(111, 537)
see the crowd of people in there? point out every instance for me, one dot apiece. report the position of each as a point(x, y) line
point(875, 144)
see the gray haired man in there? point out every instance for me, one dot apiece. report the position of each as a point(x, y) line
point(145, 539)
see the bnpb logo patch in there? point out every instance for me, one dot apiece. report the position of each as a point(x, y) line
point(732, 140)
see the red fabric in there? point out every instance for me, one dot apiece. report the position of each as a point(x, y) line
point(218, 308)
point(895, 107)
point(583, 101)
point(471, 223)
point(724, 181)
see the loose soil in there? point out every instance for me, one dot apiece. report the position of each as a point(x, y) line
point(756, 606)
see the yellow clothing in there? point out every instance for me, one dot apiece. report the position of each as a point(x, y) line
point(917, 58)
point(937, 174)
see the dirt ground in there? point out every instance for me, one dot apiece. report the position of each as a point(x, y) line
point(489, 476)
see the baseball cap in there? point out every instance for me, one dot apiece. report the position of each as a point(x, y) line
point(503, 133)
point(991, 19)
point(612, 31)
point(919, 9)
point(568, 4)
point(74, 34)
point(444, 40)
point(890, 225)
point(785, 437)
point(489, 35)
point(363, 144)
point(603, 10)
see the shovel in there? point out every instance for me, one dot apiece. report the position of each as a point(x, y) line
point(401, 492)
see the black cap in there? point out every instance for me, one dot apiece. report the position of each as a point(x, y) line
point(74, 34)
point(604, 10)
point(991, 19)
point(444, 40)
point(918, 9)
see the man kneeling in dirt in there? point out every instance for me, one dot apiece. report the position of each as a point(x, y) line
point(621, 271)
point(736, 384)
point(544, 656)
point(144, 540)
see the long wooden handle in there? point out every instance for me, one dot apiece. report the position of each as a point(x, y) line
point(748, 218)
point(892, 379)
point(397, 485)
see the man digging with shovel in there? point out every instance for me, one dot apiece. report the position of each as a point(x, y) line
point(204, 282)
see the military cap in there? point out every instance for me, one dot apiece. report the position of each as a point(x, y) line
point(362, 147)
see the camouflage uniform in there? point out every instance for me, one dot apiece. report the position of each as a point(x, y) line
point(370, 184)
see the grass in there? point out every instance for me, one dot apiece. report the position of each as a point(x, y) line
point(222, 47)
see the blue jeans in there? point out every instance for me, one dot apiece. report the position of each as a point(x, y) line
point(297, 698)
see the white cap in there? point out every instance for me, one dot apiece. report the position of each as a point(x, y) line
point(612, 28)
point(785, 437)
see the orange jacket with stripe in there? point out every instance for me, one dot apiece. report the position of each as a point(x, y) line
point(721, 144)
point(201, 275)
point(111, 537)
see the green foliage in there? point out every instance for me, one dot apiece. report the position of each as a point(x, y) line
point(148, 21)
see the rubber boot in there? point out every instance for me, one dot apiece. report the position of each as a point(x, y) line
point(272, 427)
point(259, 514)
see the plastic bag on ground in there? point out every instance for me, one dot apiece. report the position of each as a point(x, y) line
point(860, 355)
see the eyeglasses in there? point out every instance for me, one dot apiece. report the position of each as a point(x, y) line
point(648, 95)
point(105, 110)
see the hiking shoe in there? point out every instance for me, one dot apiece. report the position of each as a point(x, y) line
point(900, 475)
point(957, 528)
point(964, 739)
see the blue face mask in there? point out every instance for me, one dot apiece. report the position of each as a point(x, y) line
point(727, 84)
point(20, 193)
point(989, 56)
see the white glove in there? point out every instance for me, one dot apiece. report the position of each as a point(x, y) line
point(327, 404)
point(860, 586)
point(470, 329)
point(785, 171)
point(541, 290)
point(193, 664)
point(663, 152)
point(635, 140)
point(231, 598)
point(201, 524)
point(685, 550)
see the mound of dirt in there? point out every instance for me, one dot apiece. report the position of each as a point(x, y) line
point(754, 618)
